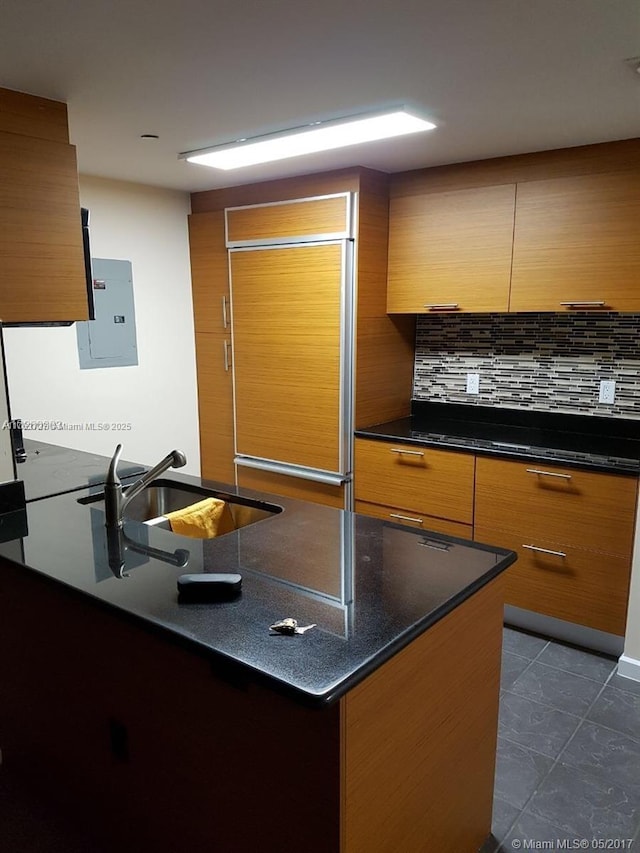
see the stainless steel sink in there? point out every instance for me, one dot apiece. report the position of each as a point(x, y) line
point(150, 506)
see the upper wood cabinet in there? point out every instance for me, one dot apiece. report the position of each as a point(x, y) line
point(451, 251)
point(577, 244)
point(209, 273)
point(42, 274)
point(298, 219)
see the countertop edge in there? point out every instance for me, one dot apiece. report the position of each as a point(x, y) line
point(234, 667)
point(376, 432)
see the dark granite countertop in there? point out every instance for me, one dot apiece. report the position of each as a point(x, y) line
point(584, 441)
point(51, 470)
point(369, 586)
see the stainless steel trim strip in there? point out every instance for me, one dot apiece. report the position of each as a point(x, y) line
point(317, 475)
point(288, 241)
point(347, 358)
point(545, 551)
point(548, 474)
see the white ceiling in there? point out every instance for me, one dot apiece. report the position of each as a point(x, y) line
point(497, 76)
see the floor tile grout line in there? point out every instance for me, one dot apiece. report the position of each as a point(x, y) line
point(568, 671)
point(544, 704)
point(557, 759)
point(581, 719)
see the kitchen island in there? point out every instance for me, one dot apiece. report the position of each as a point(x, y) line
point(190, 726)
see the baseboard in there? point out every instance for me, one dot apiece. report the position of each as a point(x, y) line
point(566, 632)
point(629, 668)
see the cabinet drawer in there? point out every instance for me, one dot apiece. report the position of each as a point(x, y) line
point(435, 482)
point(412, 519)
point(566, 505)
point(583, 587)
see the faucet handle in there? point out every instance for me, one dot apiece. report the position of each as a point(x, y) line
point(112, 473)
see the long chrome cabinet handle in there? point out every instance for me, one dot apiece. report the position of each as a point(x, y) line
point(406, 518)
point(406, 452)
point(444, 306)
point(225, 321)
point(548, 473)
point(544, 550)
point(225, 345)
point(598, 304)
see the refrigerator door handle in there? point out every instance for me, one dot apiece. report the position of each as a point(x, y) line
point(317, 475)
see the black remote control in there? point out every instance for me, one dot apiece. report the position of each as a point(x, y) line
point(209, 586)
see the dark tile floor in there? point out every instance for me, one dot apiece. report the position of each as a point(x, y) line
point(568, 763)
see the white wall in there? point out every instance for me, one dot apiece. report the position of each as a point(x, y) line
point(630, 662)
point(147, 226)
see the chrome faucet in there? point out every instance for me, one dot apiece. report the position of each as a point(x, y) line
point(115, 499)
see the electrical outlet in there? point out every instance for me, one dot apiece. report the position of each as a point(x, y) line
point(607, 391)
point(473, 383)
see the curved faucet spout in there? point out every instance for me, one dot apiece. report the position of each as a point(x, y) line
point(115, 499)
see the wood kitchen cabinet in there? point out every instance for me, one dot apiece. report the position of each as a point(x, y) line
point(42, 273)
point(577, 244)
point(288, 220)
point(295, 211)
point(451, 251)
point(548, 231)
point(415, 485)
point(212, 323)
point(573, 533)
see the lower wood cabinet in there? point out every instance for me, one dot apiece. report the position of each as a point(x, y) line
point(291, 487)
point(411, 519)
point(572, 531)
point(416, 482)
point(569, 583)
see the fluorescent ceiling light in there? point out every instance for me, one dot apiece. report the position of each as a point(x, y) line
point(319, 136)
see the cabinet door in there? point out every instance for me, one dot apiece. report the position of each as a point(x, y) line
point(209, 273)
point(279, 222)
point(42, 275)
point(215, 406)
point(451, 250)
point(212, 323)
point(286, 342)
point(577, 244)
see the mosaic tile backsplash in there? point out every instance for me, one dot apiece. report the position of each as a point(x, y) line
point(547, 362)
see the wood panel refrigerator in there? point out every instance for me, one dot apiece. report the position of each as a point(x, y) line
point(292, 308)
